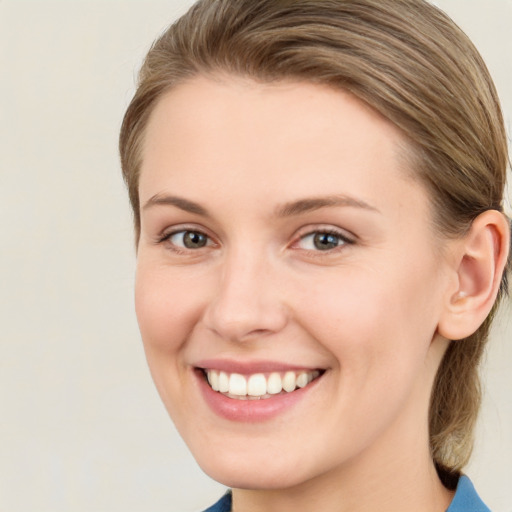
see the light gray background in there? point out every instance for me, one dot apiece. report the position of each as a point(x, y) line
point(81, 427)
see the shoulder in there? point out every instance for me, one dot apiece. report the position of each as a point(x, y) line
point(466, 498)
point(223, 505)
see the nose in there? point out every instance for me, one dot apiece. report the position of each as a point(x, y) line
point(247, 303)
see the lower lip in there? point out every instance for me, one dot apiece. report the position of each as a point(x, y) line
point(251, 410)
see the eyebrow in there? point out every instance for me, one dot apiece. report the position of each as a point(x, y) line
point(180, 202)
point(286, 210)
point(315, 203)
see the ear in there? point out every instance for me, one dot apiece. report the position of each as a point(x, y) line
point(480, 259)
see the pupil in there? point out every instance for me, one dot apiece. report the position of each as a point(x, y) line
point(324, 241)
point(193, 240)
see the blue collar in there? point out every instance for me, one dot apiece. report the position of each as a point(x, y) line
point(223, 505)
point(465, 500)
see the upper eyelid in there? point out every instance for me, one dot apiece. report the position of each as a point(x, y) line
point(172, 230)
point(325, 228)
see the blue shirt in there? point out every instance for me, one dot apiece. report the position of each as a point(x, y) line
point(465, 500)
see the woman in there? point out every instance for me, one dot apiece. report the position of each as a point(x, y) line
point(317, 190)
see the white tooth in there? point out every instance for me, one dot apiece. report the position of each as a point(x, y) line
point(315, 374)
point(289, 381)
point(237, 384)
point(274, 384)
point(257, 385)
point(223, 382)
point(302, 379)
point(213, 379)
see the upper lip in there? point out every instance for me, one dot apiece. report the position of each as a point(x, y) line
point(251, 367)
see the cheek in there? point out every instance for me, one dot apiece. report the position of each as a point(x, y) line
point(167, 311)
point(374, 323)
point(166, 305)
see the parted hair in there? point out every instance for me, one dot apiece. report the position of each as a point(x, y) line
point(411, 63)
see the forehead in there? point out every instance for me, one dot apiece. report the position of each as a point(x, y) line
point(303, 108)
point(294, 138)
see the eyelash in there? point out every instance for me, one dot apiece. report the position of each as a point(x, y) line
point(343, 240)
point(166, 238)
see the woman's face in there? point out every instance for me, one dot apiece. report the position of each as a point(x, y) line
point(284, 241)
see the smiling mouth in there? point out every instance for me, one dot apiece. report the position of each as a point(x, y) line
point(259, 386)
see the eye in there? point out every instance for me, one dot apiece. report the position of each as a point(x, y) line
point(188, 239)
point(322, 241)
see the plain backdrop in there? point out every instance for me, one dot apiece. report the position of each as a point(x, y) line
point(81, 426)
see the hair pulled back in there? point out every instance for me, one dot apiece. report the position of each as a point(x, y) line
point(408, 61)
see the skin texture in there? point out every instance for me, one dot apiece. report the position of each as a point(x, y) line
point(367, 312)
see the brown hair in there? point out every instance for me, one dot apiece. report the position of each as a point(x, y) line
point(412, 64)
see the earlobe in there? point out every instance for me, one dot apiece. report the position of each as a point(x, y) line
point(480, 262)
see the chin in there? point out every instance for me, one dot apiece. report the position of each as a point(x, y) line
point(239, 473)
point(254, 480)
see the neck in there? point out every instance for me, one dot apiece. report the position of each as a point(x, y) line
point(398, 486)
point(403, 479)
